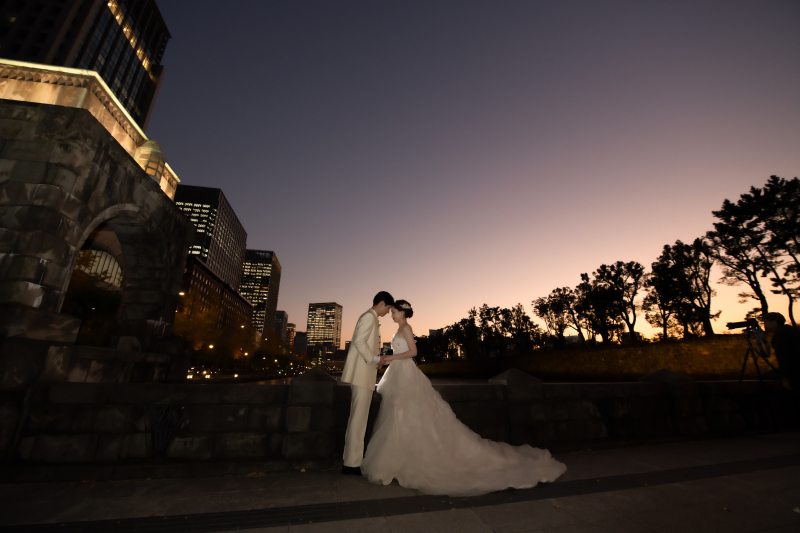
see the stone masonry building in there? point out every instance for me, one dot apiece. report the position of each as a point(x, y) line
point(70, 181)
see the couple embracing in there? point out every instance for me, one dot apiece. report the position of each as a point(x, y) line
point(417, 438)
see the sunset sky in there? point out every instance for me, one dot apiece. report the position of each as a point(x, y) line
point(456, 153)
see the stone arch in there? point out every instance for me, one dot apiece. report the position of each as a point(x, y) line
point(129, 234)
point(63, 179)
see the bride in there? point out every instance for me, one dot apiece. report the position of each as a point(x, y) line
point(419, 441)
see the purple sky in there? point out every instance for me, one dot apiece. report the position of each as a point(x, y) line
point(456, 153)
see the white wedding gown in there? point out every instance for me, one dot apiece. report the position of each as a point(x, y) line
point(419, 441)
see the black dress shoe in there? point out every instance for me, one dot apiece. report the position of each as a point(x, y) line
point(351, 470)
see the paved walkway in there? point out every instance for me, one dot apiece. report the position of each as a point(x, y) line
point(745, 484)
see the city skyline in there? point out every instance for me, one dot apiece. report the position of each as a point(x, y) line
point(324, 327)
point(402, 146)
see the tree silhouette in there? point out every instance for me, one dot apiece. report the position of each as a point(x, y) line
point(774, 212)
point(745, 243)
point(465, 333)
point(552, 310)
point(625, 281)
point(524, 334)
point(597, 304)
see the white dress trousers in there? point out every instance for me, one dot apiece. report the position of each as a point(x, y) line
point(360, 400)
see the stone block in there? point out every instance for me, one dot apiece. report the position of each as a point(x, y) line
point(139, 446)
point(9, 419)
point(78, 370)
point(450, 393)
point(254, 394)
point(96, 371)
point(556, 410)
point(16, 193)
point(49, 196)
point(114, 419)
point(688, 407)
point(311, 392)
point(198, 446)
point(16, 129)
point(519, 412)
point(595, 430)
point(248, 445)
point(56, 363)
point(481, 393)
point(582, 410)
point(695, 425)
point(6, 169)
point(323, 418)
point(30, 172)
point(27, 150)
point(77, 393)
point(26, 294)
point(45, 246)
point(50, 418)
point(216, 418)
point(64, 448)
point(311, 444)
point(562, 390)
point(84, 418)
point(298, 419)
point(62, 178)
point(26, 447)
point(265, 417)
point(520, 386)
point(537, 412)
point(109, 447)
point(73, 156)
point(20, 363)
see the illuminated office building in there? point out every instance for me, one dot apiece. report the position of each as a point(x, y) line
point(290, 333)
point(220, 239)
point(122, 40)
point(281, 321)
point(202, 290)
point(261, 281)
point(324, 328)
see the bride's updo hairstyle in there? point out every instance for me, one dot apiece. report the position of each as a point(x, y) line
point(405, 307)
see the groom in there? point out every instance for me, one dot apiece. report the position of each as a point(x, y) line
point(360, 370)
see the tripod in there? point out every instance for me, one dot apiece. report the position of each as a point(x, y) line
point(764, 354)
point(751, 352)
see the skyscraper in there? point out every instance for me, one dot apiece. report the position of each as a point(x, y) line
point(281, 321)
point(301, 342)
point(203, 290)
point(290, 334)
point(220, 240)
point(324, 328)
point(122, 40)
point(261, 280)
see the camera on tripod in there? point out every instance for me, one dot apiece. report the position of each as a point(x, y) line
point(753, 331)
point(750, 323)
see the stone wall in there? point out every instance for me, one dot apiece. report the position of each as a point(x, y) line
point(114, 431)
point(65, 184)
point(705, 358)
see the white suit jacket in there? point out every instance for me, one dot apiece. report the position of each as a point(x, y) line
point(359, 368)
